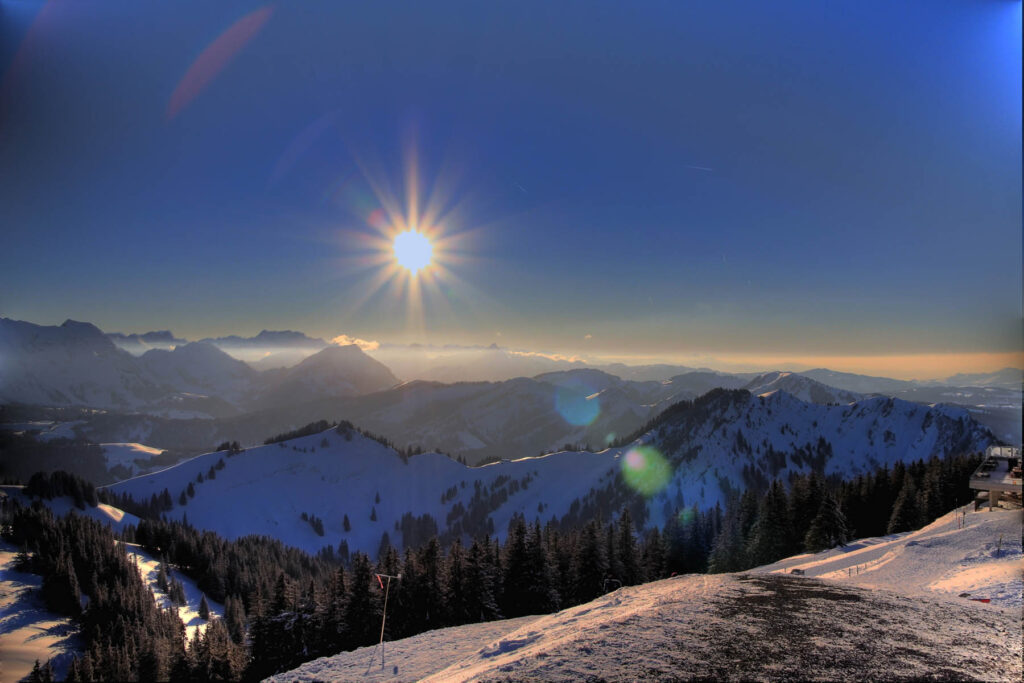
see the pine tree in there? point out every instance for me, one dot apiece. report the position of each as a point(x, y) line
point(728, 554)
point(204, 608)
point(828, 528)
point(347, 525)
point(769, 536)
point(591, 563)
point(629, 560)
point(457, 606)
point(653, 555)
point(905, 514)
point(481, 604)
point(234, 618)
point(362, 615)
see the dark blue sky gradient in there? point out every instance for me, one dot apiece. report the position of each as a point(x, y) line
point(817, 178)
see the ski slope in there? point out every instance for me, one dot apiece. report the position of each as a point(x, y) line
point(961, 552)
point(903, 622)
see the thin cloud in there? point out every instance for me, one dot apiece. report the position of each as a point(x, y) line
point(549, 356)
point(365, 345)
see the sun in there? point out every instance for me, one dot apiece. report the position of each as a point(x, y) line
point(413, 250)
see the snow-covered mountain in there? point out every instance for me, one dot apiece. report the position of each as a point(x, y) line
point(860, 384)
point(452, 363)
point(75, 364)
point(694, 453)
point(70, 364)
point(804, 388)
point(898, 606)
point(138, 344)
point(199, 368)
point(269, 339)
point(335, 371)
point(1007, 378)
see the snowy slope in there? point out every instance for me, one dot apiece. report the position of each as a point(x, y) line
point(804, 388)
point(721, 442)
point(114, 517)
point(71, 364)
point(763, 624)
point(961, 552)
point(28, 631)
point(130, 457)
point(332, 372)
point(149, 570)
point(199, 368)
point(266, 489)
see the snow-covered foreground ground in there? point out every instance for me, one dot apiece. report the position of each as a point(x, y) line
point(27, 630)
point(149, 568)
point(961, 552)
point(901, 619)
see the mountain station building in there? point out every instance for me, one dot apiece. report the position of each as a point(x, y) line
point(998, 478)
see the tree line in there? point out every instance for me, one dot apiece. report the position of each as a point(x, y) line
point(284, 606)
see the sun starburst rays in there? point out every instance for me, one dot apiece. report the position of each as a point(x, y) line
point(416, 280)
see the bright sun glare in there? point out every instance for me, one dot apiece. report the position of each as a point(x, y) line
point(413, 250)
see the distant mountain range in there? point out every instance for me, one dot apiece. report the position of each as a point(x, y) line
point(190, 396)
point(75, 364)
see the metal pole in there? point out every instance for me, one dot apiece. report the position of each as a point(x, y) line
point(384, 618)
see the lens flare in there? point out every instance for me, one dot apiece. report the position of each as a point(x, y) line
point(214, 58)
point(575, 408)
point(645, 470)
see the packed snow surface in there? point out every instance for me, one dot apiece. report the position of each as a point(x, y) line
point(763, 624)
point(965, 551)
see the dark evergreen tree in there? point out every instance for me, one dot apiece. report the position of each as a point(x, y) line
point(905, 514)
point(629, 560)
point(769, 536)
point(828, 528)
point(591, 564)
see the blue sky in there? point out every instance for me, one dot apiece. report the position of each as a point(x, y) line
point(805, 180)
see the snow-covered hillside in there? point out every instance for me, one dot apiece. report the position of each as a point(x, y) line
point(149, 570)
point(71, 364)
point(902, 617)
point(696, 453)
point(128, 459)
point(28, 631)
point(804, 388)
point(75, 364)
point(965, 554)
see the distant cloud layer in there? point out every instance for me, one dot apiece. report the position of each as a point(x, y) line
point(345, 340)
point(549, 356)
